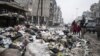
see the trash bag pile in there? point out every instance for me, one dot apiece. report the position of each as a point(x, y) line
point(33, 41)
point(17, 37)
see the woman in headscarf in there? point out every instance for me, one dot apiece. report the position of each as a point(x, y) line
point(74, 27)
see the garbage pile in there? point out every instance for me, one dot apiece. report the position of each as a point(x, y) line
point(56, 43)
point(17, 37)
point(33, 41)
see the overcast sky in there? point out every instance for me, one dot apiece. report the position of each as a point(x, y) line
point(73, 8)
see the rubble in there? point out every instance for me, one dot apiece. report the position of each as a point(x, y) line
point(31, 41)
point(10, 52)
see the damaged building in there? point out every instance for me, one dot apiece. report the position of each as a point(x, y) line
point(11, 13)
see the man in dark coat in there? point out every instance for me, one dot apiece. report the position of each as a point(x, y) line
point(82, 25)
point(98, 29)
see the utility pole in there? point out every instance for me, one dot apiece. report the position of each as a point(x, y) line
point(38, 12)
point(32, 11)
point(41, 7)
point(77, 11)
point(40, 2)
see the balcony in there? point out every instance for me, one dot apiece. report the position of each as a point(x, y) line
point(7, 0)
point(13, 4)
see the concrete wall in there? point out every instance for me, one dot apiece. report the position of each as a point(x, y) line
point(45, 10)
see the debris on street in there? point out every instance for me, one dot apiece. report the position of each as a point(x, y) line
point(41, 42)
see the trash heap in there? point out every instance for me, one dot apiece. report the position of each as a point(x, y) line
point(33, 41)
point(17, 37)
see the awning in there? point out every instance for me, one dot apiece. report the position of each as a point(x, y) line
point(9, 14)
point(21, 16)
point(6, 14)
point(12, 15)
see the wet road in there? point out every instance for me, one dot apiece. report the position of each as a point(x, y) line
point(94, 44)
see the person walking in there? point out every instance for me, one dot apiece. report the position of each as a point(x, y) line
point(78, 30)
point(74, 27)
point(82, 25)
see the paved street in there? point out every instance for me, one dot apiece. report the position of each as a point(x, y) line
point(94, 44)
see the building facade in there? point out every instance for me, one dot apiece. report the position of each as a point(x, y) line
point(40, 11)
point(52, 11)
point(58, 16)
point(95, 10)
point(87, 14)
point(43, 11)
point(55, 18)
point(11, 13)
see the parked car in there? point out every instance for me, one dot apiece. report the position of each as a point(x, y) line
point(91, 27)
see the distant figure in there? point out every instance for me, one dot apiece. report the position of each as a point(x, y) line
point(74, 27)
point(78, 29)
point(82, 25)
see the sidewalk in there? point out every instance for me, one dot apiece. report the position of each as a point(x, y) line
point(94, 44)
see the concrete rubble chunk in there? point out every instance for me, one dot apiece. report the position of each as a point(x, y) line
point(10, 52)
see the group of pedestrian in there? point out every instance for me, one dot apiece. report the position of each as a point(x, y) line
point(75, 28)
point(79, 28)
